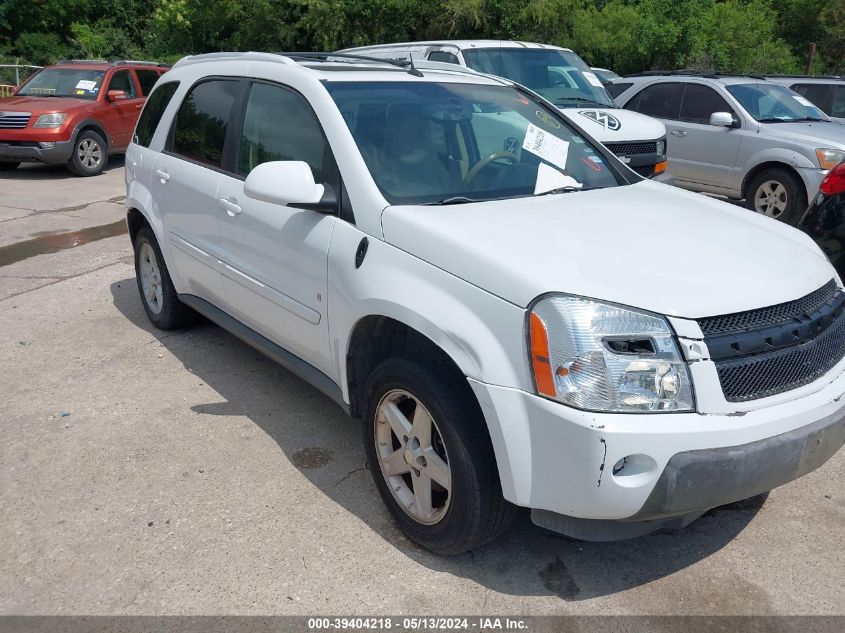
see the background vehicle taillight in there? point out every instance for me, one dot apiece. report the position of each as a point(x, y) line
point(834, 182)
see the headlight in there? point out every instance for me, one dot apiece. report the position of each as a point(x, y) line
point(604, 357)
point(830, 158)
point(54, 119)
point(661, 147)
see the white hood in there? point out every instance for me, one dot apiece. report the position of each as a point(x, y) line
point(646, 245)
point(615, 125)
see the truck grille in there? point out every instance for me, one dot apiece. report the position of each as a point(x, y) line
point(14, 120)
point(627, 149)
point(763, 352)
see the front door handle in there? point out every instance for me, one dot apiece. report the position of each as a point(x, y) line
point(678, 133)
point(231, 208)
point(162, 175)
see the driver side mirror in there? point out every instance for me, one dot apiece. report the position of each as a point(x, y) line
point(285, 182)
point(116, 95)
point(722, 119)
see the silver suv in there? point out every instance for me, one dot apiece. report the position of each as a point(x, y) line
point(742, 137)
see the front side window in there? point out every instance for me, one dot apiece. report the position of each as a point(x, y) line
point(700, 102)
point(662, 100)
point(560, 76)
point(280, 125)
point(440, 142)
point(202, 121)
point(153, 111)
point(772, 103)
point(79, 83)
point(122, 80)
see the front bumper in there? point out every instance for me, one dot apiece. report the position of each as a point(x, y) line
point(647, 467)
point(34, 152)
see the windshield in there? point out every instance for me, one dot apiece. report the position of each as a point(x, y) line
point(560, 76)
point(64, 82)
point(446, 142)
point(771, 103)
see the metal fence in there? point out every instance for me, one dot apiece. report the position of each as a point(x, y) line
point(12, 75)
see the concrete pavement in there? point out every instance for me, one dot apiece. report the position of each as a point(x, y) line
point(148, 472)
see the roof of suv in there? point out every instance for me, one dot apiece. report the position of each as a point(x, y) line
point(466, 44)
point(680, 75)
point(343, 67)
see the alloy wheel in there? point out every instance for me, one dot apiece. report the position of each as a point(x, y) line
point(150, 278)
point(90, 153)
point(771, 199)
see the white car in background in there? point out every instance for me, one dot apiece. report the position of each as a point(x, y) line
point(561, 77)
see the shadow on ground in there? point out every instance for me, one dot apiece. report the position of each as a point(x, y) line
point(37, 171)
point(326, 445)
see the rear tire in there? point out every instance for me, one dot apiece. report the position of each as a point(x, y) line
point(90, 154)
point(9, 166)
point(468, 512)
point(777, 193)
point(158, 296)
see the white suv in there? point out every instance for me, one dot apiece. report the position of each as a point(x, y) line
point(536, 326)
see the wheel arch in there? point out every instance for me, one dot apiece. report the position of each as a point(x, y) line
point(96, 126)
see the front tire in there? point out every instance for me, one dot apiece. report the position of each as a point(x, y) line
point(430, 455)
point(158, 296)
point(90, 154)
point(777, 193)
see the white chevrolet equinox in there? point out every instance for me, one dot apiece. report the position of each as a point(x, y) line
point(517, 317)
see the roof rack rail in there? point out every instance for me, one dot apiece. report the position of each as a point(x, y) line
point(279, 58)
point(686, 72)
point(405, 64)
point(840, 77)
point(141, 62)
point(84, 61)
point(116, 62)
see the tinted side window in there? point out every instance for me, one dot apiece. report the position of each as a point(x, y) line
point(700, 102)
point(661, 100)
point(838, 107)
point(280, 125)
point(443, 56)
point(122, 80)
point(201, 123)
point(147, 79)
point(153, 111)
point(616, 89)
point(817, 93)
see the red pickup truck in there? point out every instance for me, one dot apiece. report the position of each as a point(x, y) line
point(76, 112)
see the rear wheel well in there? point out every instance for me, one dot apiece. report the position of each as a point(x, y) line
point(762, 167)
point(377, 338)
point(135, 220)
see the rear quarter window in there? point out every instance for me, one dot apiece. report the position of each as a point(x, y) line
point(153, 111)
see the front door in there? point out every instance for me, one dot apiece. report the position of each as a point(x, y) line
point(275, 257)
point(121, 114)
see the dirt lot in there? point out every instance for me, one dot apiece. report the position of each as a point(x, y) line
point(148, 472)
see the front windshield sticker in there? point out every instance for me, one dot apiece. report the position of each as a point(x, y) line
point(593, 79)
point(549, 179)
point(86, 85)
point(802, 101)
point(548, 119)
point(547, 146)
point(605, 119)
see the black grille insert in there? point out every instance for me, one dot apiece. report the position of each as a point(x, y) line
point(627, 149)
point(773, 315)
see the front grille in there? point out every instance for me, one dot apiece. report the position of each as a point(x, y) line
point(644, 170)
point(628, 149)
point(763, 352)
point(14, 120)
point(773, 315)
point(767, 374)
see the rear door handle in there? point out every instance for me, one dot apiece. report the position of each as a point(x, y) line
point(678, 133)
point(162, 175)
point(231, 208)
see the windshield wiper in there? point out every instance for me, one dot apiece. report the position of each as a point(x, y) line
point(452, 200)
point(566, 189)
point(563, 100)
point(801, 120)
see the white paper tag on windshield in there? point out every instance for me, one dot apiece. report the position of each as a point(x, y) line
point(802, 101)
point(549, 178)
point(86, 84)
point(595, 81)
point(546, 145)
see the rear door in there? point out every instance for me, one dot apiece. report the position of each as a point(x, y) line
point(185, 179)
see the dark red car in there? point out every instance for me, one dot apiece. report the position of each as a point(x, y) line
point(75, 113)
